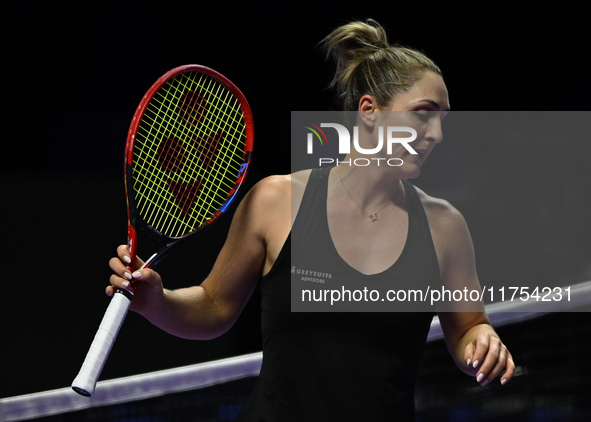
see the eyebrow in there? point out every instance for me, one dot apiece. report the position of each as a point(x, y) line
point(433, 103)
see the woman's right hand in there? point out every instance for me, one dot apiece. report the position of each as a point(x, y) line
point(258, 231)
point(147, 282)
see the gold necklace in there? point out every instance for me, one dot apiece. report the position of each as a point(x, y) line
point(373, 216)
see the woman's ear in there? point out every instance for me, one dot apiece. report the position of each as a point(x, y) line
point(367, 110)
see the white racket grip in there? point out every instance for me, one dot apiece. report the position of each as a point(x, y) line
point(104, 339)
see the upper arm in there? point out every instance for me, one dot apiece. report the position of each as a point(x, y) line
point(455, 252)
point(240, 263)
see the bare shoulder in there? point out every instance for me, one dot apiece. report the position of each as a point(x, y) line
point(266, 200)
point(271, 189)
point(274, 187)
point(269, 203)
point(268, 211)
point(450, 234)
point(442, 215)
point(274, 198)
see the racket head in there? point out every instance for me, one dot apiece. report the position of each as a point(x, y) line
point(188, 151)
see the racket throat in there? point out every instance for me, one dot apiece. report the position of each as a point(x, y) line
point(151, 261)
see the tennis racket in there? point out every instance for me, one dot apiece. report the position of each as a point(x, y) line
point(188, 151)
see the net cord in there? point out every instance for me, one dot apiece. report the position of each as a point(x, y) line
point(144, 386)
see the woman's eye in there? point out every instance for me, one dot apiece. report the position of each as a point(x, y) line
point(422, 114)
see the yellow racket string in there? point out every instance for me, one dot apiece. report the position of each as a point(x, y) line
point(168, 198)
point(177, 120)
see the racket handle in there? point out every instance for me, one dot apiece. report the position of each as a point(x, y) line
point(104, 339)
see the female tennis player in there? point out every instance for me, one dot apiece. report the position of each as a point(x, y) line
point(342, 366)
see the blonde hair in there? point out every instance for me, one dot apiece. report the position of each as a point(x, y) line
point(368, 64)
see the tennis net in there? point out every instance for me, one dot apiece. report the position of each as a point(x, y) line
point(551, 384)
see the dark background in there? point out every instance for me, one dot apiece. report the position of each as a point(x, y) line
point(74, 73)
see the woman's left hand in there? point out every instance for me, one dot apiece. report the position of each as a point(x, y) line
point(486, 356)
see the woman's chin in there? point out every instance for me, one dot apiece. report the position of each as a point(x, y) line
point(410, 171)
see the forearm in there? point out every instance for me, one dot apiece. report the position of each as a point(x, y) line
point(189, 313)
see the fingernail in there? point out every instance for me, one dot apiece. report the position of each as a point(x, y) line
point(137, 274)
point(127, 275)
point(127, 259)
point(503, 382)
point(475, 364)
point(125, 284)
point(468, 362)
point(479, 377)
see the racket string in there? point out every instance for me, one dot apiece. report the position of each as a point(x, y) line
point(204, 169)
point(206, 193)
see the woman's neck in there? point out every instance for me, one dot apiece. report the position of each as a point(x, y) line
point(369, 187)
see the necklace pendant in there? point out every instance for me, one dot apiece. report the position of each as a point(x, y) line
point(373, 217)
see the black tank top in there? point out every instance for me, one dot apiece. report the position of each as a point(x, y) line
point(340, 366)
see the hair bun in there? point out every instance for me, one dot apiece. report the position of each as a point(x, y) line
point(368, 64)
point(356, 40)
